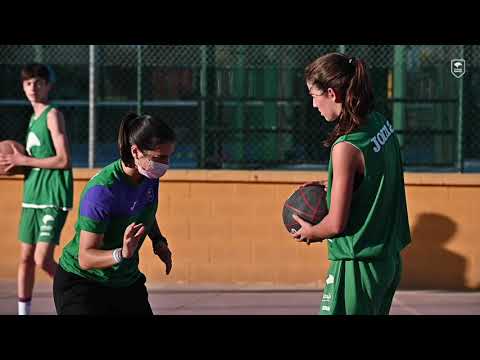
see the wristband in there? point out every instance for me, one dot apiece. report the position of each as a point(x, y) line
point(117, 255)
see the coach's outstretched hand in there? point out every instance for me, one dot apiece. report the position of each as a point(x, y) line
point(161, 249)
point(131, 238)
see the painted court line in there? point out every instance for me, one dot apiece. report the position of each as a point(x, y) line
point(406, 307)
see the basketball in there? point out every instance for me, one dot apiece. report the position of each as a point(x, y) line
point(6, 147)
point(309, 203)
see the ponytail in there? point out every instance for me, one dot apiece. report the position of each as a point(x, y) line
point(124, 144)
point(349, 78)
point(359, 97)
point(144, 131)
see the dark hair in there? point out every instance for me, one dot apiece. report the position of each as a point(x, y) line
point(349, 78)
point(34, 70)
point(144, 131)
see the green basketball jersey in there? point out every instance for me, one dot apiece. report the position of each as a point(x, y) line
point(109, 203)
point(45, 188)
point(378, 222)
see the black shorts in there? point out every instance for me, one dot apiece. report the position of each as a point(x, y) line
point(75, 295)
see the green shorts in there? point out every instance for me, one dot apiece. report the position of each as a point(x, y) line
point(361, 287)
point(41, 225)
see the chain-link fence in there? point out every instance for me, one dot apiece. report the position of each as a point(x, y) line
point(247, 106)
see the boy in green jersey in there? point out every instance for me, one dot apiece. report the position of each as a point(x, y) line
point(367, 224)
point(48, 184)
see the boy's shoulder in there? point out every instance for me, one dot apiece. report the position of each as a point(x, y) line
point(54, 116)
point(54, 111)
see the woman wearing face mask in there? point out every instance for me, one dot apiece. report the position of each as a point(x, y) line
point(98, 272)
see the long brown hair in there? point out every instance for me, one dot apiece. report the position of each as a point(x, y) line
point(349, 78)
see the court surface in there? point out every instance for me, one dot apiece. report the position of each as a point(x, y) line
point(215, 300)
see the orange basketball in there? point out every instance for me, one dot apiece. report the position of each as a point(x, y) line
point(6, 147)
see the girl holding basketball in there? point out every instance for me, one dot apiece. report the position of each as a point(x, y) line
point(367, 224)
point(98, 270)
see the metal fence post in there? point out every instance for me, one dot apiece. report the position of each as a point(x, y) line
point(203, 94)
point(399, 90)
point(239, 84)
point(91, 107)
point(287, 140)
point(38, 49)
point(460, 155)
point(270, 110)
point(139, 79)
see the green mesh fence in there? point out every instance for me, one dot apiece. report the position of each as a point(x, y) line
point(246, 106)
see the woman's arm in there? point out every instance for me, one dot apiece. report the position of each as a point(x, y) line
point(155, 235)
point(346, 161)
point(160, 246)
point(91, 257)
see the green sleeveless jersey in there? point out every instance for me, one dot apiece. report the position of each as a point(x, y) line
point(378, 222)
point(108, 204)
point(45, 188)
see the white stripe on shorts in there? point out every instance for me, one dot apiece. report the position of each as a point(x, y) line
point(35, 206)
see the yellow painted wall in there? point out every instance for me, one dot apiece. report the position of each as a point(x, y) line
point(225, 227)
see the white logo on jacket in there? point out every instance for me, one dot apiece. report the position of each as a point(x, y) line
point(32, 140)
point(382, 136)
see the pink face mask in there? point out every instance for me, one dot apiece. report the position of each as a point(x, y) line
point(156, 170)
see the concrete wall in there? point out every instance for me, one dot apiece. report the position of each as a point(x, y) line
point(225, 227)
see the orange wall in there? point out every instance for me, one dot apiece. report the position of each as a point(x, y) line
point(225, 227)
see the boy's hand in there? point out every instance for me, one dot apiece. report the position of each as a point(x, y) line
point(9, 161)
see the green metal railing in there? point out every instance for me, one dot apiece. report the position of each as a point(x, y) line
point(246, 106)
